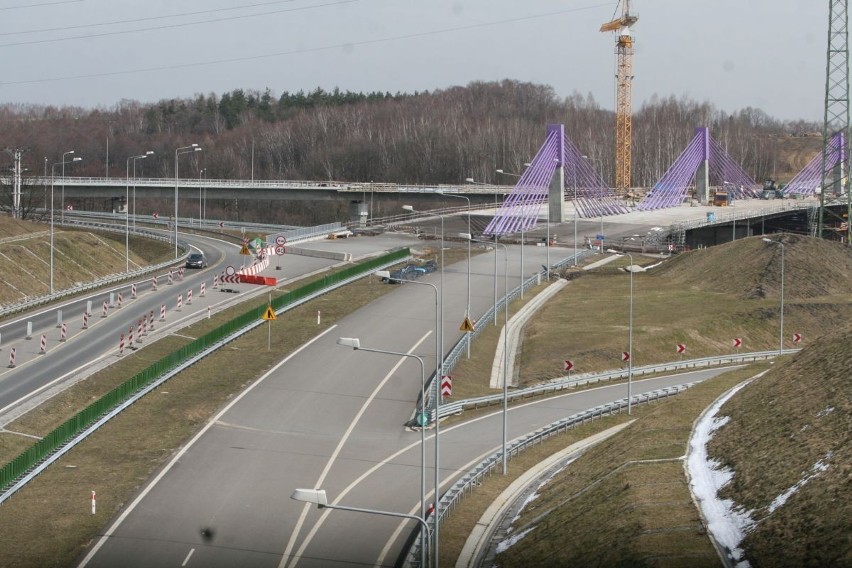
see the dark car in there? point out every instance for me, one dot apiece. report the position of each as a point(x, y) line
point(196, 260)
point(408, 272)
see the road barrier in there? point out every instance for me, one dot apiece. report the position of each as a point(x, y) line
point(201, 293)
point(151, 321)
point(105, 311)
point(12, 353)
point(179, 302)
point(133, 290)
point(63, 331)
point(162, 312)
point(215, 280)
point(154, 283)
point(171, 278)
point(130, 337)
point(119, 300)
point(85, 320)
point(140, 329)
point(43, 345)
point(53, 445)
point(189, 297)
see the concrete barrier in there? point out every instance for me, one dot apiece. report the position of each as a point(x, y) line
point(340, 256)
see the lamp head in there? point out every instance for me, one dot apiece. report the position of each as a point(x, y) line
point(466, 236)
point(353, 342)
point(77, 160)
point(468, 180)
point(382, 273)
point(499, 171)
point(149, 153)
point(316, 496)
point(408, 207)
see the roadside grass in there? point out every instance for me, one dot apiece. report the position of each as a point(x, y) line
point(624, 502)
point(781, 426)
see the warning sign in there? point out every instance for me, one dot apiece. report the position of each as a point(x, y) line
point(467, 325)
point(270, 314)
point(244, 250)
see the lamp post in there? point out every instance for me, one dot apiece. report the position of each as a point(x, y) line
point(200, 190)
point(52, 180)
point(127, 206)
point(320, 499)
point(467, 310)
point(600, 197)
point(422, 421)
point(781, 337)
point(505, 173)
point(471, 180)
point(469, 237)
point(439, 371)
point(62, 209)
point(629, 337)
point(182, 150)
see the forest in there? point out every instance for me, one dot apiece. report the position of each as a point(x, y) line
point(443, 136)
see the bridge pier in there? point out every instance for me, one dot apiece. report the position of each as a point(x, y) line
point(556, 190)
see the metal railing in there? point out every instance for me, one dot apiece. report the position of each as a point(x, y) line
point(28, 303)
point(473, 478)
point(449, 409)
point(28, 464)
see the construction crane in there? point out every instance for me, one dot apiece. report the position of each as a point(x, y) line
point(623, 97)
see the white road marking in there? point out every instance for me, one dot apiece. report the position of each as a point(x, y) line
point(183, 450)
point(297, 529)
point(188, 556)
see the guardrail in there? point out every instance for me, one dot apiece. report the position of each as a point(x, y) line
point(449, 409)
point(28, 303)
point(35, 459)
point(473, 477)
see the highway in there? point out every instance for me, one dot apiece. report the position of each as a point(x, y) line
point(37, 376)
point(328, 417)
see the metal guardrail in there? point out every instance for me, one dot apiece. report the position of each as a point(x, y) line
point(47, 450)
point(591, 378)
point(473, 477)
point(28, 303)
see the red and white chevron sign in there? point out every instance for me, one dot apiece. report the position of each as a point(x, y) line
point(569, 364)
point(797, 337)
point(230, 278)
point(446, 385)
point(625, 356)
point(738, 342)
point(681, 348)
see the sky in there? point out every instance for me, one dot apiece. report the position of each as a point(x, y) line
point(766, 54)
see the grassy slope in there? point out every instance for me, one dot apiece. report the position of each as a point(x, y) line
point(781, 425)
point(79, 256)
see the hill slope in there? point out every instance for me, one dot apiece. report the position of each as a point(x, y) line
point(792, 427)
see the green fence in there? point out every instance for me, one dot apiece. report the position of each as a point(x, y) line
point(83, 419)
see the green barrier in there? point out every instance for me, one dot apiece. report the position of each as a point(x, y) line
point(83, 419)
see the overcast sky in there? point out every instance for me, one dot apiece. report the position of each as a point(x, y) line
point(767, 54)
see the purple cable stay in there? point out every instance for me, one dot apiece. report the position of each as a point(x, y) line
point(520, 209)
point(675, 184)
point(808, 179)
point(583, 184)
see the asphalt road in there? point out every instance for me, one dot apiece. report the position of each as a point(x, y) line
point(327, 417)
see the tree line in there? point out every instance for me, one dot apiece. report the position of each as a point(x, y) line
point(443, 136)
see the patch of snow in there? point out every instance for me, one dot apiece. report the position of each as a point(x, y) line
point(534, 495)
point(726, 523)
point(825, 412)
point(511, 541)
point(815, 470)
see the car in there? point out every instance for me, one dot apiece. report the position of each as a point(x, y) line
point(407, 272)
point(196, 260)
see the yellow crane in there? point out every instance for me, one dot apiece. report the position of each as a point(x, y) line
point(623, 98)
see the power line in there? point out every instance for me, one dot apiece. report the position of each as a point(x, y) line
point(24, 6)
point(317, 49)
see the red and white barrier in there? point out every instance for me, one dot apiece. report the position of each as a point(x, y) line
point(189, 297)
point(43, 344)
point(12, 357)
point(119, 300)
point(180, 272)
point(202, 290)
point(261, 263)
point(94, 508)
point(151, 322)
point(63, 331)
point(85, 320)
point(154, 283)
point(230, 279)
point(215, 280)
point(105, 310)
point(121, 346)
point(140, 330)
point(180, 302)
point(130, 336)
point(162, 312)
point(171, 278)
point(133, 291)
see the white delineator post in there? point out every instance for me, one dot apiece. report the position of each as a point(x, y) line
point(94, 501)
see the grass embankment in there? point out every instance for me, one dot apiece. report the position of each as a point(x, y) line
point(783, 428)
point(625, 502)
point(79, 256)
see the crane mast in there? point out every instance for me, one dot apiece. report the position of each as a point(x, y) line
point(623, 97)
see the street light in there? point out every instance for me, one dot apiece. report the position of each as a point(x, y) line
point(182, 150)
point(439, 371)
point(469, 237)
point(600, 196)
point(505, 173)
point(781, 340)
point(200, 189)
point(52, 180)
point(629, 337)
point(320, 499)
point(422, 421)
point(467, 310)
point(148, 153)
point(62, 210)
point(127, 206)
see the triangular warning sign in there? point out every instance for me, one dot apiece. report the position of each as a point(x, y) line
point(270, 313)
point(466, 325)
point(244, 250)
